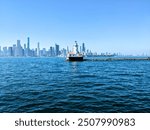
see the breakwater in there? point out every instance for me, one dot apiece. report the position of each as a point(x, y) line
point(119, 59)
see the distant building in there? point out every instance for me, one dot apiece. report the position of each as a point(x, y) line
point(56, 49)
point(67, 49)
point(51, 51)
point(28, 46)
point(63, 52)
point(25, 51)
point(19, 50)
point(14, 49)
point(25, 47)
point(44, 53)
point(4, 51)
point(38, 49)
point(35, 52)
point(32, 53)
point(80, 49)
point(83, 48)
point(10, 51)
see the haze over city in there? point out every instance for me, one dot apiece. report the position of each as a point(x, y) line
point(103, 25)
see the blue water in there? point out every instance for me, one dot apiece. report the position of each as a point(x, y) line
point(55, 85)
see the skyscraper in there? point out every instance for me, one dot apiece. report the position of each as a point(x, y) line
point(35, 52)
point(28, 46)
point(63, 52)
point(10, 51)
point(4, 51)
point(19, 51)
point(28, 43)
point(25, 50)
point(83, 48)
point(25, 47)
point(44, 52)
point(38, 49)
point(18, 43)
point(52, 53)
point(67, 49)
point(56, 49)
point(14, 48)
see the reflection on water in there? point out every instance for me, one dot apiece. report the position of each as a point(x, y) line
point(74, 66)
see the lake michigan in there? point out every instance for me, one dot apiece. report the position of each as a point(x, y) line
point(53, 85)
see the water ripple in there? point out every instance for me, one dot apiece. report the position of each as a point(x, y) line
point(54, 85)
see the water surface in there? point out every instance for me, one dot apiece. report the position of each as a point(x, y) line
point(54, 85)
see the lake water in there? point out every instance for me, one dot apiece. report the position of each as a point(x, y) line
point(55, 85)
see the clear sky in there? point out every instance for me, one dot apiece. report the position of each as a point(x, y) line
point(104, 25)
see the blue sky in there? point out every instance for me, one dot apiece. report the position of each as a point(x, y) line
point(104, 25)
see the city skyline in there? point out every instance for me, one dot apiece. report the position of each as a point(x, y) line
point(23, 50)
point(105, 26)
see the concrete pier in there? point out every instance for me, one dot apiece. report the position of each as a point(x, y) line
point(118, 59)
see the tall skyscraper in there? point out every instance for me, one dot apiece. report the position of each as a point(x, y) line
point(25, 50)
point(28, 43)
point(51, 51)
point(35, 52)
point(25, 47)
point(56, 49)
point(38, 49)
point(14, 48)
point(18, 43)
point(67, 49)
point(28, 46)
point(19, 51)
point(83, 48)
